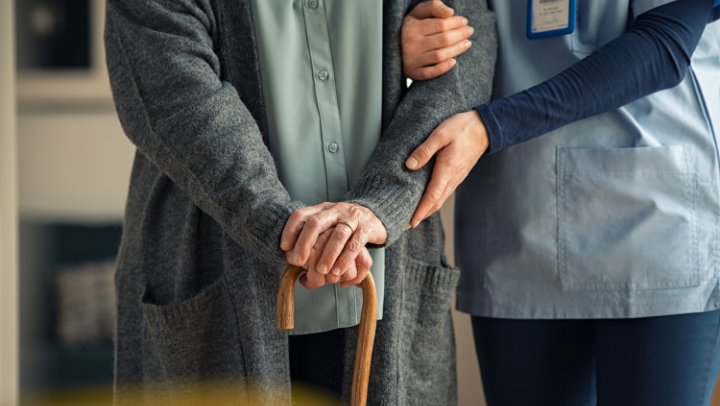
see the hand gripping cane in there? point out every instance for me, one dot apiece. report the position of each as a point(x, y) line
point(285, 320)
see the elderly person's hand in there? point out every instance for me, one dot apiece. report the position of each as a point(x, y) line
point(338, 232)
point(311, 279)
point(458, 142)
point(431, 38)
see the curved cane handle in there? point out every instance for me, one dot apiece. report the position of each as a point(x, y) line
point(285, 320)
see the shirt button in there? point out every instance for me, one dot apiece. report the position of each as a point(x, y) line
point(313, 3)
point(323, 75)
point(333, 147)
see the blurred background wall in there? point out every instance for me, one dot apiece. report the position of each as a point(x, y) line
point(8, 211)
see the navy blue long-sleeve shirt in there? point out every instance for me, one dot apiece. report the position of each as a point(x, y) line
point(654, 54)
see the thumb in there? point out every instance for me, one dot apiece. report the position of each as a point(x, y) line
point(425, 151)
point(440, 10)
point(435, 8)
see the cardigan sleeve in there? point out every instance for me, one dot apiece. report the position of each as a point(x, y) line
point(165, 77)
point(387, 187)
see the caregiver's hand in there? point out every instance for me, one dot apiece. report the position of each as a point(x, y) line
point(311, 279)
point(431, 38)
point(354, 227)
point(459, 142)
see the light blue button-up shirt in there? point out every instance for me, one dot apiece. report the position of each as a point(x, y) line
point(321, 67)
point(613, 216)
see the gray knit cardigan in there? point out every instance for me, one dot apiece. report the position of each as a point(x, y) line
point(200, 262)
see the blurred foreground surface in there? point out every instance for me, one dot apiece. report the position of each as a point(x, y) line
point(205, 395)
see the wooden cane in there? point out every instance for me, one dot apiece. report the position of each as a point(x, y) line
point(285, 320)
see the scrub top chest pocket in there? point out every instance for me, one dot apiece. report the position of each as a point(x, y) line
point(627, 218)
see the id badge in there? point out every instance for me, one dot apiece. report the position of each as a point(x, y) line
point(550, 18)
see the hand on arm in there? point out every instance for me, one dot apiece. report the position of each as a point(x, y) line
point(458, 142)
point(329, 241)
point(431, 38)
point(653, 55)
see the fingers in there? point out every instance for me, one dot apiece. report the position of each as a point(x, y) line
point(464, 139)
point(350, 251)
point(314, 225)
point(423, 36)
point(432, 9)
point(313, 279)
point(363, 263)
point(295, 224)
point(443, 172)
point(432, 26)
point(433, 71)
point(335, 246)
point(433, 194)
point(437, 56)
point(447, 39)
point(419, 215)
point(345, 241)
point(422, 154)
point(424, 46)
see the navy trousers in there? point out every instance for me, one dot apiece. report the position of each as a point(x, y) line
point(668, 360)
point(316, 362)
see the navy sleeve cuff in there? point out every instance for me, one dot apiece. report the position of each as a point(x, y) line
point(493, 128)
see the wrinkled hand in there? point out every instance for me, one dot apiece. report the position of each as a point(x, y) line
point(343, 246)
point(311, 279)
point(431, 38)
point(459, 142)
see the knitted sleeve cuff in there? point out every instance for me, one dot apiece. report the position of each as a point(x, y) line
point(390, 205)
point(263, 232)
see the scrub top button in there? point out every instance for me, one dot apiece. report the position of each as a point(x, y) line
point(323, 75)
point(333, 147)
point(313, 3)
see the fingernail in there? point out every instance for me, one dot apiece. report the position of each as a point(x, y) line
point(322, 269)
point(467, 44)
point(411, 163)
point(454, 62)
point(465, 21)
point(283, 244)
point(408, 227)
point(336, 272)
point(446, 9)
point(472, 30)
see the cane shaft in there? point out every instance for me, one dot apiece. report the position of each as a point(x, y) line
point(285, 320)
point(366, 339)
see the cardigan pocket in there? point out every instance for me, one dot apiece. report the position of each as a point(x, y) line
point(195, 341)
point(429, 346)
point(627, 218)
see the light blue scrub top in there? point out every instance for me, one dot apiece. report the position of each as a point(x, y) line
point(613, 216)
point(321, 67)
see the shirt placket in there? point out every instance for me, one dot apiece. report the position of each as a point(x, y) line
point(333, 149)
point(325, 93)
